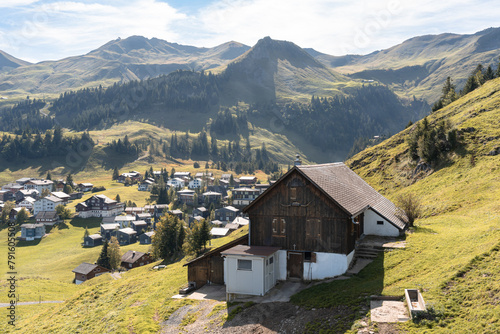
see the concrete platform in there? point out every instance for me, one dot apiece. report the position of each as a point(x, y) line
point(388, 311)
point(206, 292)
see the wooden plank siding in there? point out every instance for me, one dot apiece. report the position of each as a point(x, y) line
point(296, 215)
point(210, 266)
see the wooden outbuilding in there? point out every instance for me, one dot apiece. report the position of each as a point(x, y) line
point(209, 268)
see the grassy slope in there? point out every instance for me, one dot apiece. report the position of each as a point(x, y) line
point(136, 303)
point(451, 253)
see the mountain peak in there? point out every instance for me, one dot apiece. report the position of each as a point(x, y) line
point(8, 62)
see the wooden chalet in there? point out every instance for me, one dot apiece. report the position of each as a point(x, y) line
point(86, 271)
point(312, 217)
point(209, 267)
point(133, 259)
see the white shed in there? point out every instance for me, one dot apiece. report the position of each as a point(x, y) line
point(250, 270)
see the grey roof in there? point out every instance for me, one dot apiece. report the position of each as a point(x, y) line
point(139, 222)
point(86, 268)
point(230, 208)
point(232, 226)
point(31, 225)
point(46, 215)
point(149, 234)
point(219, 231)
point(95, 236)
point(106, 199)
point(241, 221)
point(128, 230)
point(132, 256)
point(202, 209)
point(259, 251)
point(110, 226)
point(350, 191)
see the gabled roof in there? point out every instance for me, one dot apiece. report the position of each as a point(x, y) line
point(346, 188)
point(132, 256)
point(219, 231)
point(95, 236)
point(106, 199)
point(128, 230)
point(46, 215)
point(85, 268)
point(229, 208)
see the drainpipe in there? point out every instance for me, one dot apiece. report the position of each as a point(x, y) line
point(249, 231)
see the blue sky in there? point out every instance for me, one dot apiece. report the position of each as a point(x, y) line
point(54, 29)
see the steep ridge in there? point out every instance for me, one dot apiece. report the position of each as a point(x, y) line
point(280, 70)
point(8, 62)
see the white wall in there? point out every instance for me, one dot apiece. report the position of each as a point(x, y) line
point(326, 265)
point(371, 227)
point(249, 282)
point(281, 274)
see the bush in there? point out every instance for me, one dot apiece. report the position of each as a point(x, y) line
point(97, 189)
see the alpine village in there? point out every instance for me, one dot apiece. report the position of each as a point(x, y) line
point(261, 189)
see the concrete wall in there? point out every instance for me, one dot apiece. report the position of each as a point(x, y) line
point(327, 265)
point(372, 228)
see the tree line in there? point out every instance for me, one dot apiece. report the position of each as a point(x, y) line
point(25, 116)
point(34, 145)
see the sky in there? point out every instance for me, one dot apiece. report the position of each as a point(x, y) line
point(53, 29)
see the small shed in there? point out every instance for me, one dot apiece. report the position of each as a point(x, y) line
point(145, 238)
point(92, 240)
point(209, 268)
point(246, 266)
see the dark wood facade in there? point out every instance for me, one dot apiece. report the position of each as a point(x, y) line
point(210, 266)
point(296, 215)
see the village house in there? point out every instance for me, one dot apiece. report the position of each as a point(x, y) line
point(133, 259)
point(262, 187)
point(248, 180)
point(47, 218)
point(176, 182)
point(183, 175)
point(224, 183)
point(227, 213)
point(92, 240)
point(193, 219)
point(65, 198)
point(212, 197)
point(109, 230)
point(12, 187)
point(124, 221)
point(240, 221)
point(32, 231)
point(6, 195)
point(146, 185)
point(201, 211)
point(132, 175)
point(146, 238)
point(39, 185)
point(47, 203)
point(226, 177)
point(244, 196)
point(178, 213)
point(140, 226)
point(99, 206)
point(86, 271)
point(146, 216)
point(186, 196)
point(195, 184)
point(14, 212)
point(218, 189)
point(126, 236)
point(22, 194)
point(27, 203)
point(305, 226)
point(23, 180)
point(85, 186)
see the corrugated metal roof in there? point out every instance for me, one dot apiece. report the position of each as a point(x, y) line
point(260, 251)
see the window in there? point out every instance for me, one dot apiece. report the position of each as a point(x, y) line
point(293, 194)
point(244, 264)
point(380, 222)
point(313, 228)
point(271, 260)
point(309, 257)
point(279, 227)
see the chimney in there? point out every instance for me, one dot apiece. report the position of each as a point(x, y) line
point(133, 254)
point(297, 161)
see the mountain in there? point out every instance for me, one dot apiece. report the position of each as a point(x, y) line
point(420, 65)
point(8, 62)
point(280, 70)
point(121, 60)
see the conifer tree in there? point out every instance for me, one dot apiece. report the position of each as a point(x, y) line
point(103, 259)
point(116, 173)
point(114, 253)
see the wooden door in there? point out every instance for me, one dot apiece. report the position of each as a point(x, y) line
point(217, 270)
point(295, 264)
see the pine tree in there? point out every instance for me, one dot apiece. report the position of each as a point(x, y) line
point(205, 235)
point(103, 259)
point(49, 176)
point(69, 180)
point(181, 235)
point(118, 199)
point(116, 174)
point(86, 233)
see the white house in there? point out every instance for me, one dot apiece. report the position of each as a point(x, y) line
point(250, 270)
point(39, 185)
point(65, 198)
point(27, 203)
point(176, 182)
point(195, 184)
point(48, 203)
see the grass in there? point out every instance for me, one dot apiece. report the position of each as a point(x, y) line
point(452, 254)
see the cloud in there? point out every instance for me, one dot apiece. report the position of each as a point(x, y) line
point(74, 27)
point(15, 3)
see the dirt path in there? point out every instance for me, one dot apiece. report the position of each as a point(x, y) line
point(265, 318)
point(33, 303)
